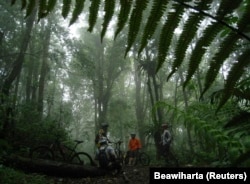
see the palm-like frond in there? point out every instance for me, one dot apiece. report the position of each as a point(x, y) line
point(31, 5)
point(51, 5)
point(66, 8)
point(135, 22)
point(188, 33)
point(109, 9)
point(234, 75)
point(209, 34)
point(167, 33)
point(79, 5)
point(93, 12)
point(157, 11)
point(123, 15)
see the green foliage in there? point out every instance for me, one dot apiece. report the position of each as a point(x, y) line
point(109, 11)
point(123, 15)
point(225, 144)
point(93, 12)
point(230, 24)
point(77, 11)
point(11, 176)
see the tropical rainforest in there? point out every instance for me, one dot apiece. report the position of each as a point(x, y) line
point(68, 66)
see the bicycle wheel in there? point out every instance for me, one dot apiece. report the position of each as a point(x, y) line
point(82, 158)
point(144, 159)
point(42, 152)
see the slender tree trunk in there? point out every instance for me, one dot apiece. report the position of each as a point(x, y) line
point(185, 96)
point(15, 72)
point(44, 69)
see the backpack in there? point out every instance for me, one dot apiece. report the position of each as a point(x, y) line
point(103, 157)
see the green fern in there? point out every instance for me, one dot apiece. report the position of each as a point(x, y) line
point(30, 8)
point(109, 11)
point(51, 5)
point(158, 9)
point(66, 8)
point(135, 22)
point(189, 31)
point(42, 9)
point(167, 33)
point(79, 5)
point(233, 76)
point(123, 15)
point(93, 12)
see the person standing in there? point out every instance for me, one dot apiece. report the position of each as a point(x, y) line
point(102, 133)
point(166, 139)
point(134, 147)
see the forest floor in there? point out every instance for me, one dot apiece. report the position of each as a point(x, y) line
point(130, 174)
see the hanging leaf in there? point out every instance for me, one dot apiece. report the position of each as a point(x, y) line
point(66, 8)
point(77, 11)
point(93, 12)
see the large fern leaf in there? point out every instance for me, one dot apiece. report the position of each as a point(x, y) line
point(234, 75)
point(30, 7)
point(227, 47)
point(159, 7)
point(123, 15)
point(51, 5)
point(79, 5)
point(135, 22)
point(167, 33)
point(209, 34)
point(93, 12)
point(109, 9)
point(189, 31)
point(66, 8)
point(42, 9)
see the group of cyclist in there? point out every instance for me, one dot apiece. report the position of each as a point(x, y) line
point(134, 144)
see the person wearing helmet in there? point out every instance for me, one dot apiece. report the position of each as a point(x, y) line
point(166, 138)
point(134, 146)
point(101, 134)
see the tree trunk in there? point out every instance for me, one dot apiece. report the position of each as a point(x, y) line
point(53, 168)
point(16, 71)
point(44, 69)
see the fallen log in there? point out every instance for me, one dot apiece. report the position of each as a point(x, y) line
point(53, 168)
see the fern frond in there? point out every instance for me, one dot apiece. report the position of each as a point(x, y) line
point(51, 5)
point(109, 9)
point(135, 22)
point(30, 8)
point(24, 3)
point(66, 8)
point(79, 5)
point(123, 15)
point(226, 7)
point(42, 9)
point(234, 75)
point(93, 12)
point(226, 48)
point(208, 36)
point(189, 31)
point(159, 7)
point(167, 33)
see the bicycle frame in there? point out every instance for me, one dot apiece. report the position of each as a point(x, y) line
point(65, 151)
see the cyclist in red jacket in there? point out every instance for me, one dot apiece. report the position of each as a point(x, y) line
point(134, 146)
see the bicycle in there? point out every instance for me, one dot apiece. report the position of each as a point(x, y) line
point(119, 152)
point(59, 152)
point(141, 158)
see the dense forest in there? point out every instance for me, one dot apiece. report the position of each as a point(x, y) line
point(66, 67)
